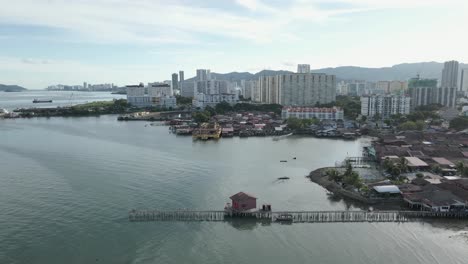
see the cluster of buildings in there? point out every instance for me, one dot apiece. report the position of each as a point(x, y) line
point(104, 87)
point(361, 88)
point(434, 156)
point(152, 95)
point(293, 89)
point(417, 92)
point(205, 90)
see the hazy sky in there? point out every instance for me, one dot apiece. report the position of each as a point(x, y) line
point(46, 42)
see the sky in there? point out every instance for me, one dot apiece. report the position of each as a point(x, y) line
point(45, 42)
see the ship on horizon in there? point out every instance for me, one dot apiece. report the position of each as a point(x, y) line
point(37, 101)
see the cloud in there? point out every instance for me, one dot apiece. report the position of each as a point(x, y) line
point(288, 64)
point(36, 61)
point(166, 22)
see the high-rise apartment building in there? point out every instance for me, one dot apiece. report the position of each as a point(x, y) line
point(297, 89)
point(306, 89)
point(187, 89)
point(203, 75)
point(464, 80)
point(450, 75)
point(385, 105)
point(175, 81)
point(446, 96)
point(303, 68)
point(269, 89)
point(249, 89)
point(422, 91)
point(181, 76)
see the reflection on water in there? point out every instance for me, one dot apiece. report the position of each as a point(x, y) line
point(67, 183)
point(246, 223)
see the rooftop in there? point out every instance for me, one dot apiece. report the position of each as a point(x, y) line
point(387, 189)
point(416, 162)
point(312, 109)
point(241, 196)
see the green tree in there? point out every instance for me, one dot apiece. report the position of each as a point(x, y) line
point(403, 164)
point(294, 123)
point(395, 171)
point(408, 125)
point(223, 108)
point(210, 111)
point(377, 117)
point(353, 179)
point(183, 100)
point(334, 175)
point(419, 175)
point(420, 125)
point(459, 123)
point(201, 117)
point(436, 169)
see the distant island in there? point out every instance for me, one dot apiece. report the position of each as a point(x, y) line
point(11, 88)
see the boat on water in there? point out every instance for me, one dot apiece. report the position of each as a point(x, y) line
point(283, 178)
point(38, 101)
point(283, 161)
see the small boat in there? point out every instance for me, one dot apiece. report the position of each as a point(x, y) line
point(294, 158)
point(288, 218)
point(283, 161)
point(283, 178)
point(37, 101)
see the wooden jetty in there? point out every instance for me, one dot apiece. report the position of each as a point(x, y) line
point(297, 216)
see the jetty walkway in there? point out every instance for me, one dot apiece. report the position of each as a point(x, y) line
point(295, 216)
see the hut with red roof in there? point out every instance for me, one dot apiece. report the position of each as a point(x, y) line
point(242, 201)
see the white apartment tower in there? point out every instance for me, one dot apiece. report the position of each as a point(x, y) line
point(303, 68)
point(203, 75)
point(385, 106)
point(306, 89)
point(464, 80)
point(269, 89)
point(450, 75)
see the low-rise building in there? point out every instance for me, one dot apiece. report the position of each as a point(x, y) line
point(334, 113)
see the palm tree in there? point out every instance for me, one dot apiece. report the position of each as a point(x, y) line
point(334, 175)
point(461, 168)
point(403, 165)
point(395, 171)
point(387, 164)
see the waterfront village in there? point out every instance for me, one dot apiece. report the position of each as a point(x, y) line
point(418, 158)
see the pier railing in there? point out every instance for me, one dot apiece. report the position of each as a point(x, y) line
point(296, 216)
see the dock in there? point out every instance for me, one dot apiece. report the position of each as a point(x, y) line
point(297, 216)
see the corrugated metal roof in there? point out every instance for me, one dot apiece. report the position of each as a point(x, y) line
point(443, 161)
point(387, 189)
point(416, 162)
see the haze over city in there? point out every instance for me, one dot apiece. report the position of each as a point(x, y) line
point(124, 42)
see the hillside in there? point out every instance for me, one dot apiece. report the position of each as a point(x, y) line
point(11, 88)
point(403, 71)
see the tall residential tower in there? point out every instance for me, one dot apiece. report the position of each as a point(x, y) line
point(450, 75)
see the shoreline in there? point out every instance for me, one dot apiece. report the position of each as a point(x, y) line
point(317, 176)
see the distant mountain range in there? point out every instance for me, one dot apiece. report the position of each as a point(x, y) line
point(11, 88)
point(405, 71)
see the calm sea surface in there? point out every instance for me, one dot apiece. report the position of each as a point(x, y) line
point(66, 185)
point(12, 101)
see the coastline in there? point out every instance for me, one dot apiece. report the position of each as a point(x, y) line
point(318, 176)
